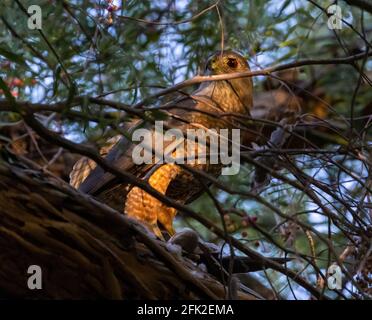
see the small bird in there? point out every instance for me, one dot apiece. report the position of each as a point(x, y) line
point(204, 108)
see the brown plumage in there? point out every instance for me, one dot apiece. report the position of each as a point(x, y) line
point(202, 109)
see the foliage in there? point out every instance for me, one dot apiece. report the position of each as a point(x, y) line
point(126, 51)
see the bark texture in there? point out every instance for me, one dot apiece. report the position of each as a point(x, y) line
point(84, 248)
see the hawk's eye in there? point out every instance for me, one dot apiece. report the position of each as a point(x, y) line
point(232, 63)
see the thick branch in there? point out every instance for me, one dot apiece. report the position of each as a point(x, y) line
point(99, 252)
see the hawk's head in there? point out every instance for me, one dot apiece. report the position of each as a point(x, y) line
point(226, 62)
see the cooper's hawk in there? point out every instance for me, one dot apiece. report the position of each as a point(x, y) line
point(211, 106)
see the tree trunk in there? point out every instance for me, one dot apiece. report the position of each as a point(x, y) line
point(84, 248)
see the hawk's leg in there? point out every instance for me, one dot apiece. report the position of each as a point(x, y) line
point(149, 210)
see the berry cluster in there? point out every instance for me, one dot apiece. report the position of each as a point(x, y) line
point(242, 223)
point(15, 84)
point(111, 9)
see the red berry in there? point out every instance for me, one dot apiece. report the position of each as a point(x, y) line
point(244, 234)
point(112, 8)
point(17, 82)
point(254, 219)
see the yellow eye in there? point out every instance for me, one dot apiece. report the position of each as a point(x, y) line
point(232, 62)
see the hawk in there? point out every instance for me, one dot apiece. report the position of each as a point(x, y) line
point(214, 105)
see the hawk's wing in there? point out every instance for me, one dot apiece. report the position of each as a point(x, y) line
point(84, 166)
point(81, 169)
point(87, 177)
point(93, 180)
point(120, 156)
